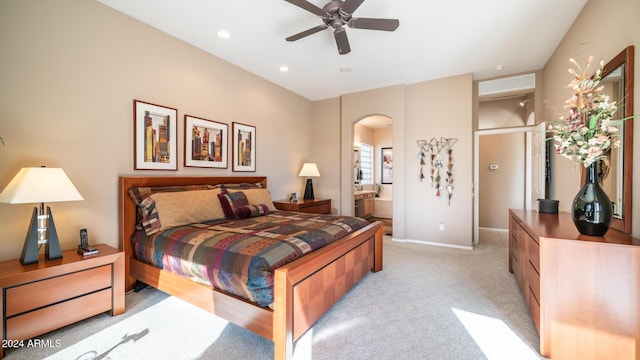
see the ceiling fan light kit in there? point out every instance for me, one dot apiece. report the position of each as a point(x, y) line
point(338, 13)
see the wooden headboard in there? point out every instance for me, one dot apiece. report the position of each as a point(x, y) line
point(127, 209)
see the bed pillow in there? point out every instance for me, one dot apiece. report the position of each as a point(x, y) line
point(236, 206)
point(138, 194)
point(163, 210)
point(257, 196)
point(240, 186)
point(247, 211)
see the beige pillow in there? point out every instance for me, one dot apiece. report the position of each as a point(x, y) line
point(187, 207)
point(257, 197)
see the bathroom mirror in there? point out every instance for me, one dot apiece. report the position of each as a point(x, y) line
point(617, 79)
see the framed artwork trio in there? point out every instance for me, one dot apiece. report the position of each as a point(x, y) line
point(206, 142)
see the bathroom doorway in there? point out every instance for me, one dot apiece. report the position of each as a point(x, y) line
point(373, 170)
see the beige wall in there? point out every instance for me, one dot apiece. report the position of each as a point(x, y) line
point(427, 118)
point(503, 188)
point(70, 71)
point(363, 134)
point(326, 150)
point(502, 113)
point(603, 29)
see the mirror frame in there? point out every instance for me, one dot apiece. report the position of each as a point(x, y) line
point(625, 57)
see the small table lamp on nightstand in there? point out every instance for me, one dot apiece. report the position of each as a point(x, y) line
point(40, 185)
point(309, 170)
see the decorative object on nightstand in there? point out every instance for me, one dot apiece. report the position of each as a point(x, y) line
point(84, 248)
point(40, 185)
point(309, 170)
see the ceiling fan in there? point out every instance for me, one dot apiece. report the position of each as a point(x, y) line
point(338, 13)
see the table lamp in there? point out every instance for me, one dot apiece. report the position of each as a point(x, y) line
point(309, 170)
point(40, 185)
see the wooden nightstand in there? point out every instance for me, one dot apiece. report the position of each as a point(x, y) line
point(317, 206)
point(42, 297)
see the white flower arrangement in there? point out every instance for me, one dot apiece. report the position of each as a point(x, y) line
point(589, 132)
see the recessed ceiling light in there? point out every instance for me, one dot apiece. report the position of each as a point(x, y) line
point(224, 34)
point(345, 69)
point(284, 68)
point(499, 67)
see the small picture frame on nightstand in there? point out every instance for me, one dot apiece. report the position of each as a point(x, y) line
point(293, 198)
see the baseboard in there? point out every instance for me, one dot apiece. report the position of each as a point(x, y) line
point(493, 229)
point(423, 242)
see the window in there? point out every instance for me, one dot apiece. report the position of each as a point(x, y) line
point(366, 164)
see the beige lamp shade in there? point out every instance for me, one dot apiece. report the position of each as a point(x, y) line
point(39, 185)
point(309, 169)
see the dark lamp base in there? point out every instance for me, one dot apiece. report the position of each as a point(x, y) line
point(52, 248)
point(308, 190)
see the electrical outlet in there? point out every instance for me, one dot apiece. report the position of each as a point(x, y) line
point(441, 225)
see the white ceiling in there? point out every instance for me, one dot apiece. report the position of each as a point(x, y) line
point(435, 39)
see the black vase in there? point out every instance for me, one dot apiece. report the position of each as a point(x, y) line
point(591, 208)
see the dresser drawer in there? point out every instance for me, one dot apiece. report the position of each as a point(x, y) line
point(534, 282)
point(534, 253)
point(55, 316)
point(534, 310)
point(56, 289)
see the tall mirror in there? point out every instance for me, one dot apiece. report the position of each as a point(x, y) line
point(617, 79)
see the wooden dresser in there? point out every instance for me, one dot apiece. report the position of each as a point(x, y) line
point(583, 292)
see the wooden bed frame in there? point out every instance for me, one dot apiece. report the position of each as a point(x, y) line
point(304, 289)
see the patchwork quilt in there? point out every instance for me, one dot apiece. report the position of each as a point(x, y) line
point(239, 256)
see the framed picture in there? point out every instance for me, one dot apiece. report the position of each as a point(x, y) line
point(205, 143)
point(387, 165)
point(155, 137)
point(244, 147)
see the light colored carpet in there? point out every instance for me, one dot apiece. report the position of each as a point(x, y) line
point(428, 303)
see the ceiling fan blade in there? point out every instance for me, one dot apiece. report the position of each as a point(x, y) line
point(308, 32)
point(350, 6)
point(309, 7)
point(374, 24)
point(342, 41)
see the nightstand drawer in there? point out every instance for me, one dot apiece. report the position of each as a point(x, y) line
point(318, 208)
point(52, 290)
point(56, 316)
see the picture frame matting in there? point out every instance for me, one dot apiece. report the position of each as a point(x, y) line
point(244, 147)
point(205, 143)
point(155, 136)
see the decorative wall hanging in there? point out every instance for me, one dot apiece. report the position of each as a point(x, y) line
point(447, 145)
point(436, 165)
point(435, 148)
point(421, 155)
point(244, 147)
point(155, 137)
point(205, 143)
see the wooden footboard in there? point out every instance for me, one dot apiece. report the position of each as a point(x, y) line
point(304, 289)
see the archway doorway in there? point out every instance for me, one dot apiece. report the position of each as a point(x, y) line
point(373, 169)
